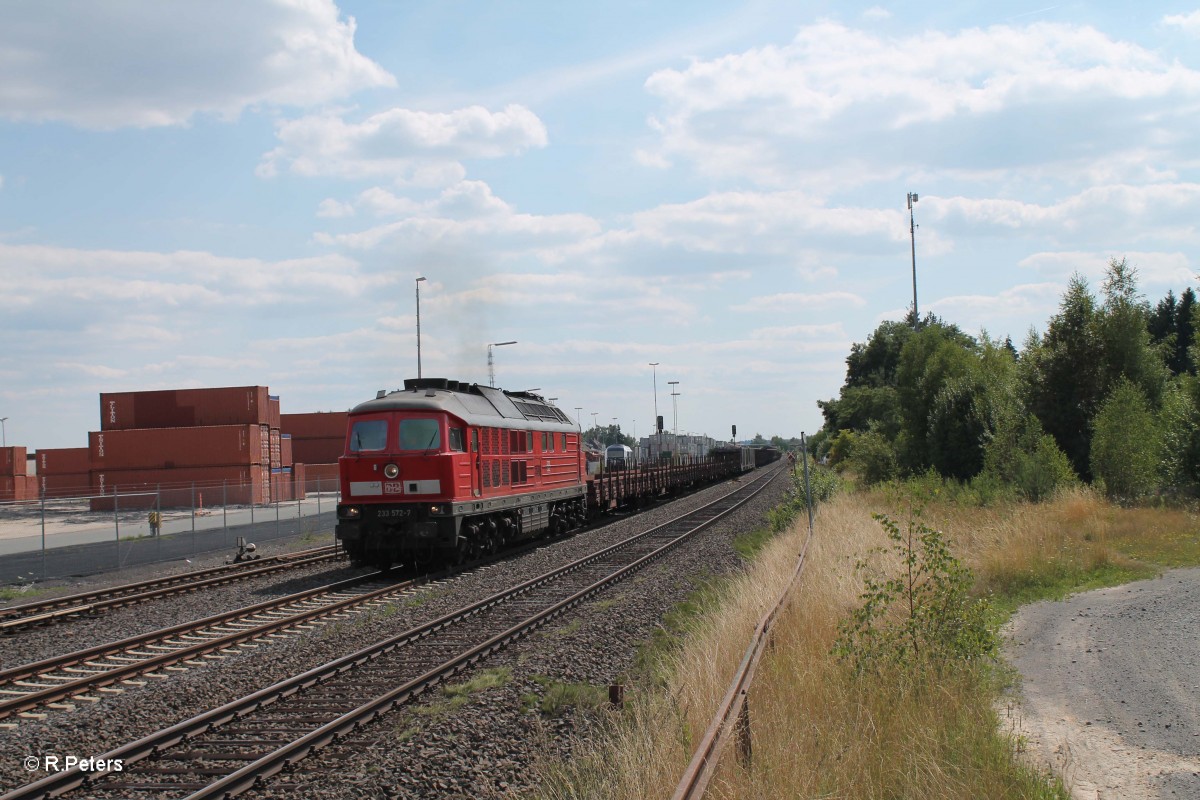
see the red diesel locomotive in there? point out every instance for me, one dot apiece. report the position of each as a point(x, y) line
point(446, 471)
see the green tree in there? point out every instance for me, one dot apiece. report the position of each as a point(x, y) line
point(969, 408)
point(933, 357)
point(1126, 349)
point(605, 435)
point(1127, 444)
point(1062, 375)
point(1179, 423)
point(1181, 361)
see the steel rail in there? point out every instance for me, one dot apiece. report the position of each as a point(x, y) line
point(108, 676)
point(734, 708)
point(13, 618)
point(155, 744)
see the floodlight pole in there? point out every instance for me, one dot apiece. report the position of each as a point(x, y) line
point(419, 326)
point(491, 364)
point(912, 236)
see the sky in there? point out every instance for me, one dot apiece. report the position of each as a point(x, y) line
point(236, 193)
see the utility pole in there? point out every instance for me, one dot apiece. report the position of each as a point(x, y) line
point(912, 236)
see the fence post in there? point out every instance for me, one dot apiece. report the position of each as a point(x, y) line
point(117, 526)
point(224, 507)
point(807, 487)
point(44, 534)
point(745, 746)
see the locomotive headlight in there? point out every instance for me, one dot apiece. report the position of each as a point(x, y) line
point(349, 512)
point(435, 509)
point(391, 471)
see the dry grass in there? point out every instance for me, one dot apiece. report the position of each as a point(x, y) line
point(821, 732)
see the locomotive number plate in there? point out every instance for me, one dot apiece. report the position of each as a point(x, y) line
point(394, 512)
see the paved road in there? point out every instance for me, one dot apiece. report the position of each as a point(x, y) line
point(1111, 685)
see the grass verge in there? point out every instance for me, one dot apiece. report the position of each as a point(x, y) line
point(819, 730)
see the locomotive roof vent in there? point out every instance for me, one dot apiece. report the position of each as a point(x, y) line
point(382, 393)
point(413, 384)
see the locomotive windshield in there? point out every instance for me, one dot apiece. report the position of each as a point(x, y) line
point(368, 434)
point(420, 434)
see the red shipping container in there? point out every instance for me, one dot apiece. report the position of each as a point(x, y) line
point(286, 458)
point(179, 488)
point(168, 448)
point(318, 451)
point(321, 477)
point(317, 425)
point(276, 449)
point(63, 461)
point(66, 484)
point(273, 410)
point(298, 481)
point(8, 487)
point(184, 408)
point(12, 461)
point(281, 486)
point(266, 444)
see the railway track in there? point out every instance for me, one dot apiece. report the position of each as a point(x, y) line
point(233, 748)
point(56, 609)
point(85, 675)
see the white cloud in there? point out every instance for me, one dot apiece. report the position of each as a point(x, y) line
point(42, 277)
point(838, 104)
point(1156, 269)
point(1189, 23)
point(973, 312)
point(417, 147)
point(792, 301)
point(145, 63)
point(334, 209)
point(1156, 212)
point(466, 214)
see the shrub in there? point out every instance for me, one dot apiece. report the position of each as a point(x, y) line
point(921, 616)
point(874, 458)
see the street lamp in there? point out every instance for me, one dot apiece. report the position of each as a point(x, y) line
point(3, 433)
point(419, 325)
point(674, 410)
point(912, 234)
point(491, 364)
point(578, 416)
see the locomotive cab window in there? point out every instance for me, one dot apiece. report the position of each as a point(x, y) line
point(368, 434)
point(420, 434)
point(456, 439)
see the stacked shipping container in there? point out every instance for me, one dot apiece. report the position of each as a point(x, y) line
point(225, 442)
point(15, 481)
point(316, 443)
point(64, 472)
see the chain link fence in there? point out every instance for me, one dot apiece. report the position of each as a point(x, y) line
point(60, 537)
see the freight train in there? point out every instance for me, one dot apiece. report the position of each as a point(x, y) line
point(446, 471)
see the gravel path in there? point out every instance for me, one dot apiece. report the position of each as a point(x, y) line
point(1111, 688)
